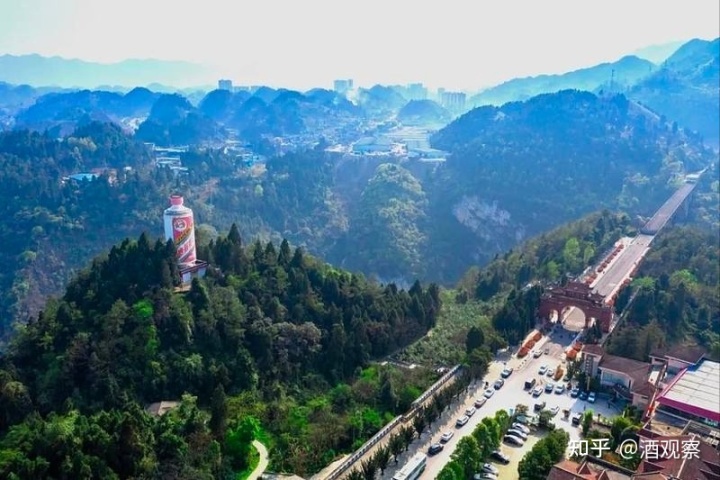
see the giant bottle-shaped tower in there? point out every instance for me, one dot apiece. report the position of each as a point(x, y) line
point(180, 228)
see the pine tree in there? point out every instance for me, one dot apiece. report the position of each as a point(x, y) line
point(218, 419)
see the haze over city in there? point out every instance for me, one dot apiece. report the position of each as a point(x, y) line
point(454, 44)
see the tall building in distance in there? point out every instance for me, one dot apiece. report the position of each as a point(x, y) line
point(453, 101)
point(416, 91)
point(225, 85)
point(343, 86)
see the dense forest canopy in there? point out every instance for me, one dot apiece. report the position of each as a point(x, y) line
point(676, 300)
point(268, 321)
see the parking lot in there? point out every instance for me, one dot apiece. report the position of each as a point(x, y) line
point(511, 394)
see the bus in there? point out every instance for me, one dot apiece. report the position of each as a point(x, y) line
point(413, 469)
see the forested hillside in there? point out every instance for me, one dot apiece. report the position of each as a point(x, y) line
point(686, 89)
point(52, 224)
point(520, 169)
point(513, 172)
point(271, 333)
point(676, 300)
point(495, 304)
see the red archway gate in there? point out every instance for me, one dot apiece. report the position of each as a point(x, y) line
point(580, 296)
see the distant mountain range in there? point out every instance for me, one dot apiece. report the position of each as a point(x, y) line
point(686, 89)
point(658, 53)
point(71, 73)
point(622, 73)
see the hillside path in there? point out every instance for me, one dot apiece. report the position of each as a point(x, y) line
point(262, 464)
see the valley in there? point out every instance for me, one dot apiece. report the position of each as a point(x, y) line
point(214, 274)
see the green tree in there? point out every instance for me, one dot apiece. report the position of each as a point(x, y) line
point(218, 409)
point(475, 339)
point(382, 458)
point(467, 455)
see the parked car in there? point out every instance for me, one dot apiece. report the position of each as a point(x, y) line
point(560, 388)
point(521, 427)
point(517, 433)
point(462, 421)
point(490, 468)
point(506, 372)
point(537, 353)
point(539, 406)
point(484, 476)
point(530, 383)
point(500, 457)
point(489, 393)
point(435, 448)
point(549, 387)
point(550, 372)
point(445, 437)
point(513, 440)
point(554, 410)
point(591, 397)
point(480, 402)
point(498, 384)
point(583, 396)
point(542, 370)
point(575, 392)
point(470, 411)
point(537, 391)
point(576, 419)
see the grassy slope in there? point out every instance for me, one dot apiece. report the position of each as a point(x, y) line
point(445, 344)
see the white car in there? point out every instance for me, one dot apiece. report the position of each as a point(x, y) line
point(560, 388)
point(537, 391)
point(489, 393)
point(513, 440)
point(550, 372)
point(517, 433)
point(484, 476)
point(446, 436)
point(591, 397)
point(521, 427)
point(470, 411)
point(542, 370)
point(462, 421)
point(537, 354)
point(554, 410)
point(490, 468)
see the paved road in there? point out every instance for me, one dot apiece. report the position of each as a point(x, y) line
point(507, 397)
point(622, 265)
point(262, 464)
point(384, 441)
point(664, 213)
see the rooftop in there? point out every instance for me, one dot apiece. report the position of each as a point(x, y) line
point(704, 467)
point(593, 349)
point(590, 468)
point(636, 370)
point(161, 408)
point(687, 353)
point(696, 391)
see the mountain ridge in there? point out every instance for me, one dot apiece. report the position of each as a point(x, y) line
point(35, 69)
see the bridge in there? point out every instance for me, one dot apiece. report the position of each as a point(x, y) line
point(595, 295)
point(665, 213)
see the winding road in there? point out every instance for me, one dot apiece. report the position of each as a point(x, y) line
point(262, 463)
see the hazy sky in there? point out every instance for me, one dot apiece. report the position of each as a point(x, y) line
point(303, 43)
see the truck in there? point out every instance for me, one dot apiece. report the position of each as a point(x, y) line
point(530, 383)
